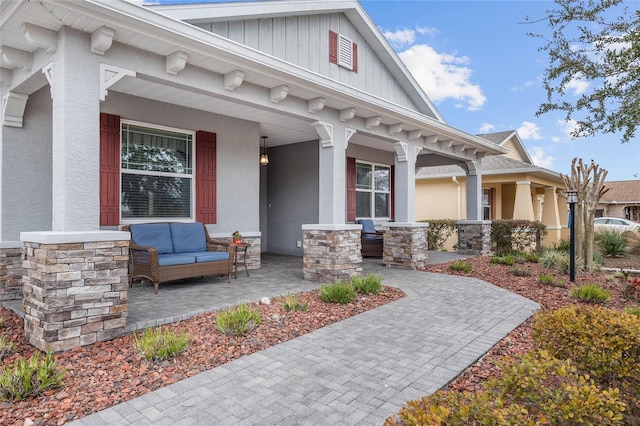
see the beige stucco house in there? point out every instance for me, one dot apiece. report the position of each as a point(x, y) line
point(513, 187)
point(622, 200)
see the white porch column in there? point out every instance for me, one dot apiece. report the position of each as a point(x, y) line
point(523, 204)
point(75, 92)
point(332, 169)
point(474, 190)
point(551, 214)
point(405, 181)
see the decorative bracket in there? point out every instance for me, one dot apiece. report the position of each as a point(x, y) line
point(414, 134)
point(47, 70)
point(315, 105)
point(418, 149)
point(347, 114)
point(445, 144)
point(373, 122)
point(459, 148)
point(279, 93)
point(40, 37)
point(110, 75)
point(430, 139)
point(347, 135)
point(13, 105)
point(325, 131)
point(101, 40)
point(402, 150)
point(233, 79)
point(175, 62)
point(395, 129)
point(15, 58)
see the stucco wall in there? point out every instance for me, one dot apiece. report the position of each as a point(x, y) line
point(292, 198)
point(238, 141)
point(26, 170)
point(440, 199)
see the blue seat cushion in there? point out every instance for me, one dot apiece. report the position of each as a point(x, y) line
point(188, 237)
point(175, 259)
point(156, 235)
point(368, 226)
point(208, 256)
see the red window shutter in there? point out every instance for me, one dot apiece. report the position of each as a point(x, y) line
point(393, 193)
point(109, 170)
point(333, 47)
point(206, 177)
point(355, 57)
point(351, 189)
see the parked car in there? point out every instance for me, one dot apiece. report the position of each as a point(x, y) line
point(615, 224)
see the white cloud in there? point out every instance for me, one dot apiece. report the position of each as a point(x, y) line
point(524, 85)
point(567, 127)
point(540, 158)
point(529, 130)
point(486, 128)
point(427, 30)
point(400, 38)
point(578, 85)
point(443, 76)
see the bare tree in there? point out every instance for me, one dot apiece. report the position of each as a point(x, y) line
point(588, 181)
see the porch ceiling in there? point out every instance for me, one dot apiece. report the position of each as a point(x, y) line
point(147, 30)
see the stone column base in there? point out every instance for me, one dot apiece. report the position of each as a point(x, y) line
point(11, 271)
point(331, 252)
point(474, 237)
point(75, 287)
point(406, 245)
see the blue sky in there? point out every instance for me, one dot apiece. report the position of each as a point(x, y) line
point(477, 64)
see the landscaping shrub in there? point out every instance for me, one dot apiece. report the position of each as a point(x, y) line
point(292, 303)
point(238, 320)
point(157, 344)
point(369, 284)
point(339, 292)
point(536, 389)
point(563, 246)
point(29, 378)
point(7, 346)
point(611, 243)
point(461, 266)
point(591, 293)
point(439, 232)
point(520, 272)
point(507, 259)
point(546, 279)
point(519, 235)
point(559, 261)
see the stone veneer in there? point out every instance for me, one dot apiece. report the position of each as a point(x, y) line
point(405, 245)
point(331, 252)
point(11, 271)
point(474, 237)
point(253, 252)
point(75, 287)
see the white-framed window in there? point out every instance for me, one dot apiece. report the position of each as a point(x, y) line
point(373, 191)
point(157, 173)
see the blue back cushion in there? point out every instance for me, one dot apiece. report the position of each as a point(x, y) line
point(156, 235)
point(367, 225)
point(188, 237)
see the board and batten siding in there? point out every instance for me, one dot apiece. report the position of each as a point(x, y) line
point(304, 41)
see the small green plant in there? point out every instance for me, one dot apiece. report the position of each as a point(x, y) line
point(507, 259)
point(591, 293)
point(30, 378)
point(292, 303)
point(338, 292)
point(520, 272)
point(369, 284)
point(238, 320)
point(611, 243)
point(633, 311)
point(157, 344)
point(7, 346)
point(548, 279)
point(461, 266)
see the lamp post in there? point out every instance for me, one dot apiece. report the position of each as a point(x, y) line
point(572, 199)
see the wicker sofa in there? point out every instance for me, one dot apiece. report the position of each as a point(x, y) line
point(171, 251)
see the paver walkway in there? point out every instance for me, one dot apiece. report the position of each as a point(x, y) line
point(355, 372)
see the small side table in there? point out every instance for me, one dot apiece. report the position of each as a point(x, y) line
point(241, 248)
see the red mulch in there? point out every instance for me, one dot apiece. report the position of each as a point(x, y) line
point(107, 373)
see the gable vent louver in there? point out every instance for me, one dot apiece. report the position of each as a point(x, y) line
point(345, 52)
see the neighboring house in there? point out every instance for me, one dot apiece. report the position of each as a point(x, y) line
point(114, 113)
point(512, 188)
point(621, 200)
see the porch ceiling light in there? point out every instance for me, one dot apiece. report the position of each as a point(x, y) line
point(264, 157)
